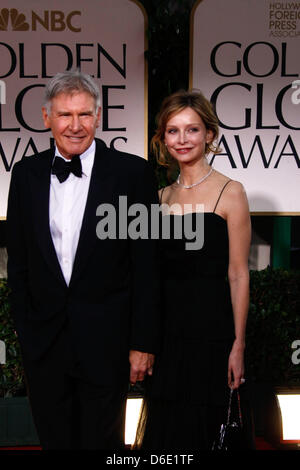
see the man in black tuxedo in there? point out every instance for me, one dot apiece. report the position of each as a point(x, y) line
point(85, 308)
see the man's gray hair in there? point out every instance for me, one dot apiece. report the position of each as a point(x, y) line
point(68, 82)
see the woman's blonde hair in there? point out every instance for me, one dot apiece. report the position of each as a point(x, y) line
point(174, 104)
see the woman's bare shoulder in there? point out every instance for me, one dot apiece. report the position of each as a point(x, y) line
point(236, 189)
point(233, 187)
point(163, 193)
point(235, 201)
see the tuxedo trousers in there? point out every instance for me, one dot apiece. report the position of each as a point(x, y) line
point(69, 412)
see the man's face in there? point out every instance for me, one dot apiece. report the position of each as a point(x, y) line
point(73, 121)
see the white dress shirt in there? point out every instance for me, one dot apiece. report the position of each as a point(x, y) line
point(66, 208)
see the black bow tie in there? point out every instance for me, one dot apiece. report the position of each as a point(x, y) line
point(61, 168)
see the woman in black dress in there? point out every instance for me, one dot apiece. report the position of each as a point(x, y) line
point(205, 288)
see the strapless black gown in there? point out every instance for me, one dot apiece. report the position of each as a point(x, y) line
point(187, 395)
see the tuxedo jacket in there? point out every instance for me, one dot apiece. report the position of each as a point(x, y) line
point(112, 301)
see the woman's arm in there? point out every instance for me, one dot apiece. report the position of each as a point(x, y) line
point(239, 232)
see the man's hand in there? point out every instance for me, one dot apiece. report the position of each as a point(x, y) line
point(140, 364)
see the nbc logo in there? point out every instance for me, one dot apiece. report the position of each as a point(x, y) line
point(54, 20)
point(17, 19)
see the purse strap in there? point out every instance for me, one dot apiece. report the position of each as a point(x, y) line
point(230, 404)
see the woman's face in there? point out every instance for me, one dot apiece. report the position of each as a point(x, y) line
point(186, 136)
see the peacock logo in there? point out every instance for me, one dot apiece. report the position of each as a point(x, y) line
point(17, 20)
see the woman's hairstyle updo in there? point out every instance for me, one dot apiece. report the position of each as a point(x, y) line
point(174, 104)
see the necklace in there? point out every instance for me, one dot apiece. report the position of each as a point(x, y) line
point(194, 184)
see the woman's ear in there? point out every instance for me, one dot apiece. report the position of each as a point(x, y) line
point(209, 136)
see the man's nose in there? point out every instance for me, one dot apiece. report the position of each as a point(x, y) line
point(75, 123)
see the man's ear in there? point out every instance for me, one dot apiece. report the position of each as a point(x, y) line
point(98, 116)
point(46, 118)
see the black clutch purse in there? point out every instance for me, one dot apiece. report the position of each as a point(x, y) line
point(231, 436)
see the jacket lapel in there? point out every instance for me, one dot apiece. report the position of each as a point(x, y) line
point(101, 186)
point(40, 187)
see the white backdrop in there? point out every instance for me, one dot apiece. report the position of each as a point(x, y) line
point(37, 39)
point(245, 58)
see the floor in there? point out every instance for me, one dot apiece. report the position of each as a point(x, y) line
point(261, 444)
